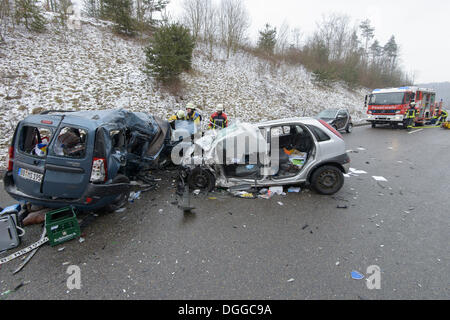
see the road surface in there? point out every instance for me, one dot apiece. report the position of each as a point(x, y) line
point(300, 246)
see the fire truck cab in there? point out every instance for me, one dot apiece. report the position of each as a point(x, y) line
point(390, 105)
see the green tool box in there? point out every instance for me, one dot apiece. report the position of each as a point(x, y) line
point(61, 225)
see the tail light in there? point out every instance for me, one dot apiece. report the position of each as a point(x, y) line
point(331, 129)
point(10, 158)
point(99, 170)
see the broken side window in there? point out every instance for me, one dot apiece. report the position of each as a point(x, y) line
point(71, 142)
point(34, 140)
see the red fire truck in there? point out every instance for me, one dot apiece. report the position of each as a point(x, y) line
point(389, 106)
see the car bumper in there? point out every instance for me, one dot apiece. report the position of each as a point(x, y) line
point(385, 118)
point(96, 195)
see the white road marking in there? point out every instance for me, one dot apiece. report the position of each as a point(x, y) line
point(415, 131)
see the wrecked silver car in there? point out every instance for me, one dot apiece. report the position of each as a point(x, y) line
point(281, 152)
point(85, 158)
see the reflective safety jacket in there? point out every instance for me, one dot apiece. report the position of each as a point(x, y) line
point(217, 121)
point(411, 113)
point(196, 117)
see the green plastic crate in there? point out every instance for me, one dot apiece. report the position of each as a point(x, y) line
point(61, 225)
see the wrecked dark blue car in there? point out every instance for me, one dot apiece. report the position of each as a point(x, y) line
point(84, 158)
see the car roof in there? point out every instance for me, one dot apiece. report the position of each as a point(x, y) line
point(91, 119)
point(304, 120)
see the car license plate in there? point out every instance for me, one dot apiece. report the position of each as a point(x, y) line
point(30, 175)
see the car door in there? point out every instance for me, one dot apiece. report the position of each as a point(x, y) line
point(342, 119)
point(69, 162)
point(31, 155)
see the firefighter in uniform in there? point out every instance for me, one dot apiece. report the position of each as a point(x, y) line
point(410, 115)
point(442, 117)
point(180, 115)
point(192, 114)
point(218, 119)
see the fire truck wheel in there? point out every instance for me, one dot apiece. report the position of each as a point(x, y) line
point(374, 124)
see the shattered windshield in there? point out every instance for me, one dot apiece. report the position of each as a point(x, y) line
point(391, 98)
point(328, 114)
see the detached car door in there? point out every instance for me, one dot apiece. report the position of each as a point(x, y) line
point(69, 162)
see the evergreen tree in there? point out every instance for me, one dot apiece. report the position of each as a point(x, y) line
point(29, 12)
point(376, 51)
point(391, 51)
point(367, 32)
point(119, 11)
point(267, 39)
point(169, 52)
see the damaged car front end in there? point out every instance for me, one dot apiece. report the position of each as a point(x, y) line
point(281, 152)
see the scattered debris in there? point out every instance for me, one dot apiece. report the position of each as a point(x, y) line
point(36, 217)
point(196, 192)
point(356, 275)
point(354, 171)
point(342, 206)
point(61, 249)
point(305, 226)
point(280, 203)
point(379, 178)
point(294, 189)
point(337, 263)
point(291, 280)
point(120, 210)
point(81, 240)
point(276, 190)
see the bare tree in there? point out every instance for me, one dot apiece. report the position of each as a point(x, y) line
point(296, 37)
point(210, 26)
point(194, 15)
point(234, 23)
point(282, 38)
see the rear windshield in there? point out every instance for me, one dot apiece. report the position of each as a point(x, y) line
point(71, 143)
point(34, 140)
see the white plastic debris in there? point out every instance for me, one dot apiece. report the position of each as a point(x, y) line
point(291, 280)
point(280, 203)
point(196, 192)
point(120, 210)
point(379, 178)
point(354, 171)
point(81, 240)
point(276, 190)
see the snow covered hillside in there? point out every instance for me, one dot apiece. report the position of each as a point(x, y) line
point(92, 68)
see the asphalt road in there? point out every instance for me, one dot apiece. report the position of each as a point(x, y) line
point(305, 248)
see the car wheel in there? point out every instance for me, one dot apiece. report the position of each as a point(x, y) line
point(327, 180)
point(201, 179)
point(349, 128)
point(374, 124)
point(122, 198)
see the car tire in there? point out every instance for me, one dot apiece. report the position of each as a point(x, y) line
point(122, 198)
point(201, 179)
point(349, 128)
point(374, 125)
point(327, 180)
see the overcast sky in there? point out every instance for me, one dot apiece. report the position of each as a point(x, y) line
point(421, 28)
